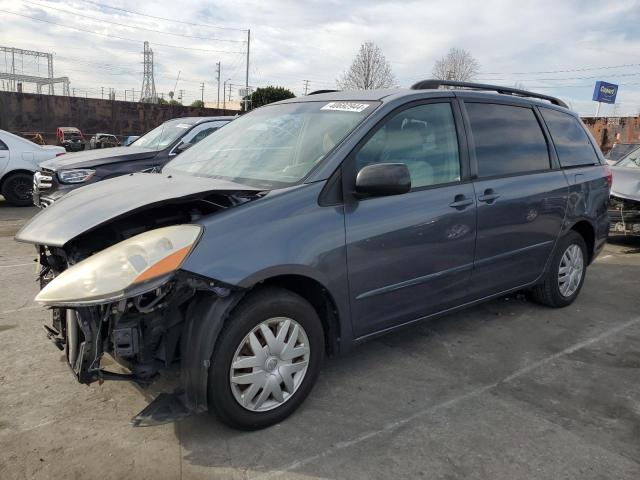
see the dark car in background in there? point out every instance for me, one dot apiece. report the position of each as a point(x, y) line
point(57, 177)
point(311, 225)
point(70, 138)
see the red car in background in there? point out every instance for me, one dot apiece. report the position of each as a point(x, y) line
point(70, 138)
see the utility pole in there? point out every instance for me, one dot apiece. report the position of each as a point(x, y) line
point(102, 93)
point(306, 86)
point(180, 95)
point(202, 93)
point(218, 80)
point(224, 94)
point(230, 93)
point(246, 78)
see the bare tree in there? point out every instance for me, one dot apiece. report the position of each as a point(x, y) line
point(369, 70)
point(458, 65)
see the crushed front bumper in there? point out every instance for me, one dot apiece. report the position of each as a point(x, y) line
point(624, 216)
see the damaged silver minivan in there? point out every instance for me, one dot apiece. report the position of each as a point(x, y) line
point(308, 226)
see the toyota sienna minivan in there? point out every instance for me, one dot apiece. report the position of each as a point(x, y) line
point(311, 225)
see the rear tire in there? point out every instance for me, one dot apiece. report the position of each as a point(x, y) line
point(17, 189)
point(565, 276)
point(248, 405)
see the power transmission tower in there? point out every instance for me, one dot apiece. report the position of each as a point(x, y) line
point(148, 93)
point(306, 86)
point(218, 80)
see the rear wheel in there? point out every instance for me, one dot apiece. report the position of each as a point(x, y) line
point(266, 360)
point(17, 189)
point(564, 278)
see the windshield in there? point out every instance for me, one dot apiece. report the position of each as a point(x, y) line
point(164, 135)
point(631, 161)
point(274, 146)
point(619, 150)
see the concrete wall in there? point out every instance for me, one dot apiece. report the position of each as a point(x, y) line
point(610, 130)
point(29, 112)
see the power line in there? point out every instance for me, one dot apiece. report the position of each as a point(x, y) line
point(582, 69)
point(163, 18)
point(116, 36)
point(631, 74)
point(132, 26)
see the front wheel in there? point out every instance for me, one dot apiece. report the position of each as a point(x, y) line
point(17, 189)
point(564, 278)
point(266, 360)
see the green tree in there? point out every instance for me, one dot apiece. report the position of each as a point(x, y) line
point(197, 104)
point(175, 102)
point(266, 95)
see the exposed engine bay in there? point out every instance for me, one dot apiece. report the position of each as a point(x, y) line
point(624, 215)
point(143, 333)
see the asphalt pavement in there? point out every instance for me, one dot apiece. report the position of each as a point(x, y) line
point(506, 390)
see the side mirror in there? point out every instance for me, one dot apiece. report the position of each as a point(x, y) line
point(182, 147)
point(383, 179)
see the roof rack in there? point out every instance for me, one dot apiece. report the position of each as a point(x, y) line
point(318, 92)
point(435, 84)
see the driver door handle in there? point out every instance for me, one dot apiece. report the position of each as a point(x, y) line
point(489, 196)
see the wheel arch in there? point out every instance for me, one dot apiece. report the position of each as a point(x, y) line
point(320, 299)
point(588, 232)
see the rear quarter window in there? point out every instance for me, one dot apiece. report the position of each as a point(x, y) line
point(571, 141)
point(508, 139)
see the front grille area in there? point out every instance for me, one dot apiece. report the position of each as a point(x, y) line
point(43, 180)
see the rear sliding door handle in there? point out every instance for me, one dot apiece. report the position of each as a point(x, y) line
point(460, 202)
point(489, 196)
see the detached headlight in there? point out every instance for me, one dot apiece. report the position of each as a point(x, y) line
point(128, 266)
point(76, 176)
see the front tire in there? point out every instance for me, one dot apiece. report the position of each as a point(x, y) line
point(565, 276)
point(17, 189)
point(266, 360)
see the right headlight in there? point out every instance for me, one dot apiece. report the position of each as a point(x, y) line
point(78, 175)
point(127, 266)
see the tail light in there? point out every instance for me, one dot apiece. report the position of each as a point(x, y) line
point(608, 173)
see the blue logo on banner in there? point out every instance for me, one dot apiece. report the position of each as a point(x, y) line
point(605, 92)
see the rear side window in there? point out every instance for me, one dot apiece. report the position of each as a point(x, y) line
point(508, 140)
point(3, 146)
point(571, 141)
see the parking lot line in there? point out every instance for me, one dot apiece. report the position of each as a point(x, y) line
point(18, 265)
point(471, 394)
point(33, 307)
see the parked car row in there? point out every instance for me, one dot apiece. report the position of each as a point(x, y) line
point(306, 227)
point(151, 151)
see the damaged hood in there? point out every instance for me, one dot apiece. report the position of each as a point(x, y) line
point(626, 183)
point(95, 158)
point(93, 205)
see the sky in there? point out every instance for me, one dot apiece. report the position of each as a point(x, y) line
point(554, 47)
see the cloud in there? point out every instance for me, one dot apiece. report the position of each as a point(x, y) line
point(292, 41)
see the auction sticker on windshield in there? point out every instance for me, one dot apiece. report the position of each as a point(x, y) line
point(346, 106)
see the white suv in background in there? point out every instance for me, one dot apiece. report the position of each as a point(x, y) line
point(19, 160)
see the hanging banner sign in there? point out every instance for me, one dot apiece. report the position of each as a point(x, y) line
point(605, 92)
